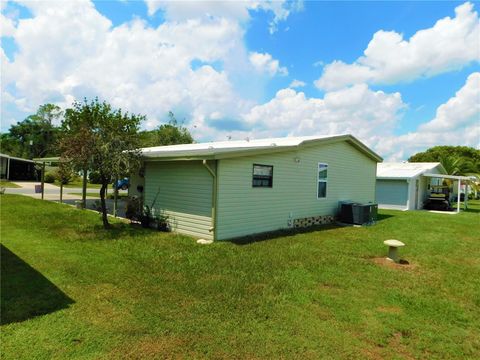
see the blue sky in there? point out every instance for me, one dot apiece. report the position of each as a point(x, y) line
point(401, 76)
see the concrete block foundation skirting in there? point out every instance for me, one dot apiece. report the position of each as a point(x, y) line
point(313, 220)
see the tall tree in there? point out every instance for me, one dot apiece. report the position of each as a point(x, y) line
point(460, 160)
point(102, 139)
point(171, 133)
point(36, 136)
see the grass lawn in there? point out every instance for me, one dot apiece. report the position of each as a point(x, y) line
point(79, 184)
point(91, 194)
point(8, 184)
point(97, 194)
point(73, 290)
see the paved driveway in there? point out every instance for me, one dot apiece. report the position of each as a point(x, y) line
point(52, 192)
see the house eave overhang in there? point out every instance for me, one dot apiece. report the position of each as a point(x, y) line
point(217, 154)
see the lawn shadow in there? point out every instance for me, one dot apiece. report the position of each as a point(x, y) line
point(118, 231)
point(245, 240)
point(271, 235)
point(26, 293)
point(381, 217)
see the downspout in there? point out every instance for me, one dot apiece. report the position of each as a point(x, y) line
point(214, 195)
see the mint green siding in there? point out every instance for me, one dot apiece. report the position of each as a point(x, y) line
point(184, 194)
point(243, 209)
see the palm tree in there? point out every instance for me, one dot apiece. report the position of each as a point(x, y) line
point(461, 166)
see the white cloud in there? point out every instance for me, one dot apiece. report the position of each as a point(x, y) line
point(461, 110)
point(457, 122)
point(357, 110)
point(296, 84)
point(7, 26)
point(229, 9)
point(450, 44)
point(70, 50)
point(264, 63)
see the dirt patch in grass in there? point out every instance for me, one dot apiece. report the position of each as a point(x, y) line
point(390, 309)
point(403, 265)
point(393, 349)
point(165, 347)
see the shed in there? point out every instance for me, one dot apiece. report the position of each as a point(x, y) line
point(223, 190)
point(405, 185)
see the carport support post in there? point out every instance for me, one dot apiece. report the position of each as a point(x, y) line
point(43, 180)
point(465, 202)
point(84, 189)
point(458, 196)
point(115, 196)
point(8, 168)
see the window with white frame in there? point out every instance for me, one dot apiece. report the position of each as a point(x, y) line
point(322, 180)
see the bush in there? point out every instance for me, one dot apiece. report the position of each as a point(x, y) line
point(50, 177)
point(94, 177)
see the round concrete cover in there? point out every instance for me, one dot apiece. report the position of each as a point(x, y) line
point(393, 243)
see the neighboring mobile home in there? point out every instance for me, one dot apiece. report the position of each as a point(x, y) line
point(223, 190)
point(406, 186)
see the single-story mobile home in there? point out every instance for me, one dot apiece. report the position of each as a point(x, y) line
point(406, 186)
point(223, 190)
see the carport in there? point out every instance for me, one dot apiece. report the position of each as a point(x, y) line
point(57, 160)
point(15, 168)
point(457, 182)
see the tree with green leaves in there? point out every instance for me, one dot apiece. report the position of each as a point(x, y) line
point(102, 139)
point(457, 160)
point(36, 136)
point(63, 175)
point(171, 133)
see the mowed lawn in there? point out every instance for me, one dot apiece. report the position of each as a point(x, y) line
point(73, 290)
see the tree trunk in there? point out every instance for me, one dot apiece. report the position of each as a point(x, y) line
point(103, 189)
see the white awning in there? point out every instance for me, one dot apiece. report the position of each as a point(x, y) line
point(453, 177)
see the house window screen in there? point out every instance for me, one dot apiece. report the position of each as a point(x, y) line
point(262, 176)
point(322, 180)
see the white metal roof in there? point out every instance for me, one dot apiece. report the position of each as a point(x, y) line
point(454, 177)
point(16, 158)
point(406, 170)
point(233, 148)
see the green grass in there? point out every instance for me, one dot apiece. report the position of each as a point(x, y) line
point(91, 194)
point(79, 184)
point(8, 184)
point(97, 195)
point(73, 290)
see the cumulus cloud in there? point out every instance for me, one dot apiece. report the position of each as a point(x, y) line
point(264, 63)
point(7, 27)
point(297, 84)
point(457, 122)
point(230, 9)
point(357, 110)
point(450, 44)
point(69, 50)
